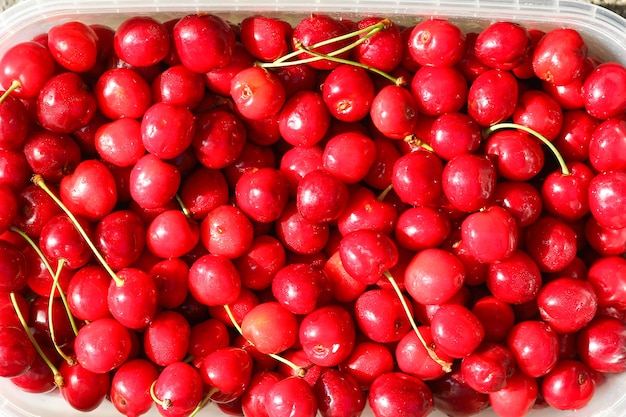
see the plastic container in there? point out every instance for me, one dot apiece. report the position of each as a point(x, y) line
point(603, 30)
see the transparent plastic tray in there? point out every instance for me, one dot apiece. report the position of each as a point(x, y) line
point(603, 30)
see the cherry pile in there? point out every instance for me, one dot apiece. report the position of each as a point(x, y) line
point(292, 218)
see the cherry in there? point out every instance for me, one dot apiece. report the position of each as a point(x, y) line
point(122, 92)
point(490, 235)
point(366, 362)
point(179, 86)
point(535, 347)
point(304, 119)
point(568, 386)
point(540, 112)
point(488, 368)
point(321, 197)
point(153, 182)
point(14, 124)
point(13, 277)
point(417, 178)
point(394, 112)
point(607, 136)
point(327, 335)
point(515, 279)
point(167, 130)
point(51, 155)
point(166, 339)
point(30, 64)
point(551, 243)
point(349, 156)
point(61, 240)
point(87, 293)
point(348, 93)
point(606, 193)
point(17, 353)
point(130, 387)
point(291, 396)
point(141, 41)
point(439, 90)
point(292, 226)
point(300, 288)
point(253, 399)
point(437, 42)
point(556, 294)
point(366, 211)
point(195, 32)
point(171, 234)
point(517, 398)
point(82, 389)
point(178, 390)
point(598, 344)
point(433, 276)
point(102, 345)
point(604, 99)
point(262, 194)
point(257, 93)
point(399, 394)
point(454, 396)
point(133, 302)
point(120, 238)
point(517, 155)
point(119, 142)
point(219, 139)
point(559, 56)
point(338, 394)
point(366, 254)
point(228, 372)
point(456, 331)
point(468, 181)
point(65, 103)
point(454, 133)
point(502, 45)
point(74, 45)
point(345, 287)
point(492, 97)
point(266, 38)
point(609, 281)
point(384, 326)
point(270, 327)
point(316, 29)
point(414, 359)
point(214, 280)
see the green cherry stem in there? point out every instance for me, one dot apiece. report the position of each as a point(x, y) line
point(300, 371)
point(53, 274)
point(368, 31)
point(183, 207)
point(543, 139)
point(446, 366)
point(58, 378)
point(416, 143)
point(14, 85)
point(39, 181)
point(53, 336)
point(204, 402)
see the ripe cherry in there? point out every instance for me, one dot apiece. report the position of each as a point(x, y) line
point(401, 395)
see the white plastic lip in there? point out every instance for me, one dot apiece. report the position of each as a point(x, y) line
point(604, 31)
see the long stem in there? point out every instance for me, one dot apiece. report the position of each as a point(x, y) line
point(369, 31)
point(300, 371)
point(39, 181)
point(445, 365)
point(507, 125)
point(58, 378)
point(53, 274)
point(14, 84)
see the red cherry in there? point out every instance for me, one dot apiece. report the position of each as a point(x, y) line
point(437, 42)
point(31, 64)
point(141, 41)
point(90, 191)
point(270, 327)
point(74, 45)
point(130, 386)
point(559, 56)
point(194, 33)
point(401, 395)
point(102, 345)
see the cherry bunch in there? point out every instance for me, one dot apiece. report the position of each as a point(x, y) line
point(292, 218)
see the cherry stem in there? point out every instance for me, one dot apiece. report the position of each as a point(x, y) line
point(204, 401)
point(447, 367)
point(300, 371)
point(53, 274)
point(368, 31)
point(416, 143)
point(39, 181)
point(165, 404)
point(383, 194)
point(507, 125)
point(51, 329)
point(396, 81)
point(14, 85)
point(58, 378)
point(183, 207)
